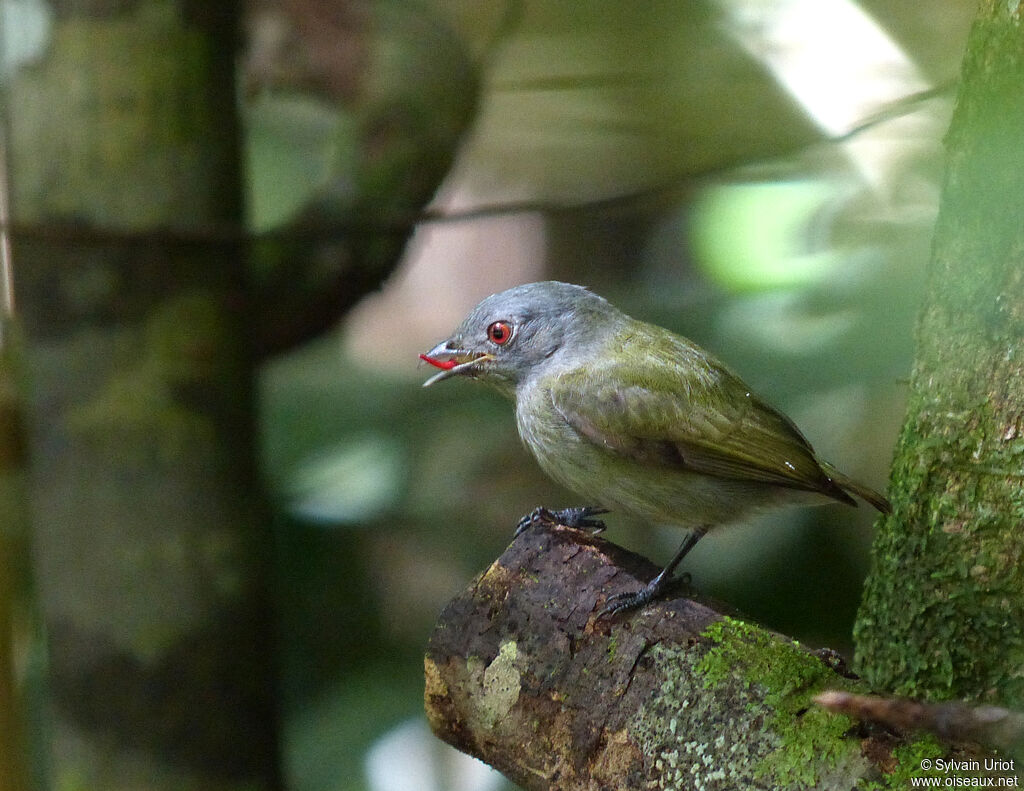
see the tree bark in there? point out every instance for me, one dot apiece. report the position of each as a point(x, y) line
point(147, 516)
point(23, 743)
point(943, 611)
point(521, 673)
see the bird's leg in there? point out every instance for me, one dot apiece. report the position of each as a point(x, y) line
point(630, 601)
point(578, 517)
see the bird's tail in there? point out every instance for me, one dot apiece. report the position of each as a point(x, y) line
point(850, 486)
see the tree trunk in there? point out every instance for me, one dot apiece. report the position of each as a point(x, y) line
point(943, 611)
point(148, 519)
point(22, 654)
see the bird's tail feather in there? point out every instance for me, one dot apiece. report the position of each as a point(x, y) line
point(865, 493)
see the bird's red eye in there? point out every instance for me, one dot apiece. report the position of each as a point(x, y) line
point(499, 332)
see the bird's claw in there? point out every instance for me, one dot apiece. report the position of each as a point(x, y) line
point(537, 516)
point(622, 602)
point(579, 517)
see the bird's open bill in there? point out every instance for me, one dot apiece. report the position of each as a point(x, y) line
point(450, 361)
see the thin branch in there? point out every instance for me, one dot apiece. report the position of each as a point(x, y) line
point(400, 223)
point(954, 723)
point(6, 265)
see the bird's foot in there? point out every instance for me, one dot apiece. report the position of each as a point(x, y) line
point(578, 517)
point(623, 602)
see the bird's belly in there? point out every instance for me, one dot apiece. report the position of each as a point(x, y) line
point(655, 492)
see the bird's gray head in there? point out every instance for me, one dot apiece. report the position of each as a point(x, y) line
point(516, 333)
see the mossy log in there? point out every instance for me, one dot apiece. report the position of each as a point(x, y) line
point(521, 673)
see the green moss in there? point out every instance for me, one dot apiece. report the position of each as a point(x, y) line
point(758, 657)
point(947, 572)
point(613, 646)
point(689, 736)
point(788, 677)
point(809, 742)
point(756, 728)
point(908, 765)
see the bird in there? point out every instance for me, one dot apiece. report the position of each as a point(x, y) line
point(633, 417)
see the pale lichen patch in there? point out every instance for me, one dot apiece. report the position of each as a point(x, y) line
point(501, 685)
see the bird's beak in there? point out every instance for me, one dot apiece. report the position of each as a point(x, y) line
point(452, 360)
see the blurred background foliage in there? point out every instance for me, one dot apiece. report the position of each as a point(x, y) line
point(759, 176)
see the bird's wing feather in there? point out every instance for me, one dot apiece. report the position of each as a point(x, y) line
point(667, 403)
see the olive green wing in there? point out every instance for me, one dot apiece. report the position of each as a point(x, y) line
point(663, 401)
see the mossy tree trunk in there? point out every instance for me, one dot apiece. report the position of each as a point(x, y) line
point(149, 529)
point(943, 612)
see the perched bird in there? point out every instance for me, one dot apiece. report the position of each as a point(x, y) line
point(629, 415)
